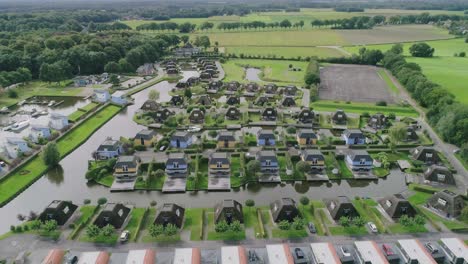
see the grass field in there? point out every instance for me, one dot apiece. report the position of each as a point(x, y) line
point(359, 108)
point(443, 69)
point(287, 52)
point(34, 168)
point(272, 71)
point(383, 74)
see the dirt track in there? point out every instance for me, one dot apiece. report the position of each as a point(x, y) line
point(354, 83)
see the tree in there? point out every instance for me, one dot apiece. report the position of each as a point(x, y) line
point(36, 225)
point(170, 230)
point(297, 224)
point(285, 24)
point(186, 27)
point(188, 93)
point(359, 221)
point(153, 95)
point(108, 230)
point(92, 231)
point(464, 214)
point(253, 166)
point(345, 221)
point(51, 155)
point(397, 48)
point(304, 201)
point(250, 203)
point(156, 230)
point(185, 39)
point(49, 226)
point(114, 80)
point(419, 220)
point(421, 50)
point(383, 158)
point(311, 78)
point(102, 200)
point(303, 167)
point(405, 220)
point(284, 225)
point(221, 226)
point(112, 67)
point(235, 226)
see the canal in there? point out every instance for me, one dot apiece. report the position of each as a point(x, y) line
point(68, 182)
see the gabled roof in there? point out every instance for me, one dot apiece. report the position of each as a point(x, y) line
point(110, 145)
point(357, 155)
point(396, 206)
point(39, 127)
point(15, 140)
point(181, 135)
point(229, 210)
point(353, 133)
point(130, 161)
point(145, 134)
point(284, 209)
point(218, 157)
point(57, 116)
point(264, 155)
point(150, 105)
point(339, 115)
point(178, 157)
point(265, 134)
point(310, 154)
point(269, 111)
point(170, 213)
point(306, 133)
point(226, 135)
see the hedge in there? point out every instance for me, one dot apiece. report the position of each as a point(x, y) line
point(260, 223)
point(143, 218)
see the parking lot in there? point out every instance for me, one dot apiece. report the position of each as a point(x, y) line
point(354, 83)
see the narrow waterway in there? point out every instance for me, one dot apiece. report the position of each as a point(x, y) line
point(68, 182)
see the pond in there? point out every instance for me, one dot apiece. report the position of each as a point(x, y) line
point(68, 182)
point(252, 74)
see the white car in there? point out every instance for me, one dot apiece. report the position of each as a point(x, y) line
point(345, 251)
point(372, 227)
point(194, 129)
point(124, 236)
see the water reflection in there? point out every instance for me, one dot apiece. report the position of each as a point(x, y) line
point(55, 175)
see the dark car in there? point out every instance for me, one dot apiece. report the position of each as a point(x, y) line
point(299, 253)
point(433, 249)
point(311, 227)
point(72, 260)
point(388, 249)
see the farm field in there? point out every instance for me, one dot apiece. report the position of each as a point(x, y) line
point(272, 71)
point(359, 108)
point(444, 69)
point(354, 83)
point(287, 52)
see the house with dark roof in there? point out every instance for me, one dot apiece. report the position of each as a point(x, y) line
point(204, 100)
point(233, 113)
point(109, 149)
point(38, 132)
point(268, 161)
point(233, 86)
point(191, 81)
point(266, 138)
point(161, 114)
point(269, 114)
point(181, 139)
point(126, 168)
point(341, 206)
point(58, 121)
point(113, 214)
point(288, 101)
point(215, 86)
point(290, 90)
point(170, 213)
point(252, 87)
point(446, 203)
point(359, 160)
point(411, 134)
point(57, 210)
point(226, 139)
point(396, 206)
point(306, 137)
point(233, 100)
point(150, 106)
point(440, 174)
point(354, 137)
point(377, 121)
point(284, 209)
point(306, 116)
point(261, 101)
point(426, 155)
point(314, 158)
point(339, 117)
point(228, 210)
point(182, 84)
point(188, 50)
point(172, 70)
point(145, 137)
point(197, 116)
point(271, 88)
point(219, 164)
point(205, 76)
point(177, 165)
point(176, 100)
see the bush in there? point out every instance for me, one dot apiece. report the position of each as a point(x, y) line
point(86, 201)
point(291, 130)
point(12, 93)
point(381, 103)
point(102, 200)
point(284, 225)
point(140, 147)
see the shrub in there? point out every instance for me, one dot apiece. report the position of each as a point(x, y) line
point(221, 227)
point(12, 93)
point(381, 103)
point(156, 230)
point(108, 230)
point(284, 225)
point(86, 201)
point(140, 147)
point(170, 230)
point(102, 200)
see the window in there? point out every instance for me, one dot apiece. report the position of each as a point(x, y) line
point(428, 155)
point(268, 162)
point(441, 177)
point(388, 203)
point(442, 202)
point(177, 212)
point(120, 213)
point(66, 210)
point(219, 164)
point(175, 165)
point(124, 168)
point(332, 205)
point(314, 161)
point(362, 161)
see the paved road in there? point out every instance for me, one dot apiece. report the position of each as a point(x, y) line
point(439, 144)
point(221, 73)
point(305, 97)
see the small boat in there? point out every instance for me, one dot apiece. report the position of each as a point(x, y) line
point(4, 110)
point(35, 114)
point(22, 102)
point(20, 125)
point(51, 103)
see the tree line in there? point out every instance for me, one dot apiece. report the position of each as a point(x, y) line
point(169, 26)
point(53, 58)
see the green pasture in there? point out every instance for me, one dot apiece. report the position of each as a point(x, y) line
point(359, 108)
point(287, 52)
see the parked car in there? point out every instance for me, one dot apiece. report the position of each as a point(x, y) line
point(388, 249)
point(372, 227)
point(2, 164)
point(312, 228)
point(194, 129)
point(433, 249)
point(299, 253)
point(124, 236)
point(162, 148)
point(72, 260)
point(345, 251)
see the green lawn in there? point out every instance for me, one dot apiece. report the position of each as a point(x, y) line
point(194, 223)
point(73, 117)
point(106, 180)
point(35, 168)
point(136, 217)
point(308, 212)
point(225, 236)
point(107, 240)
point(360, 108)
point(89, 107)
point(272, 70)
point(251, 220)
point(383, 74)
point(344, 170)
point(286, 52)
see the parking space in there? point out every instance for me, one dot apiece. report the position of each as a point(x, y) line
point(391, 253)
point(301, 255)
point(347, 253)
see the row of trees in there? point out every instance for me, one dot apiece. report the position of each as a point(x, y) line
point(260, 25)
point(448, 117)
point(168, 26)
point(54, 58)
point(358, 22)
